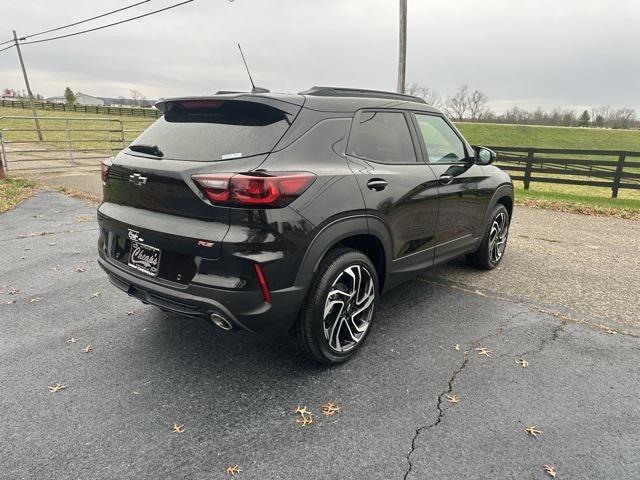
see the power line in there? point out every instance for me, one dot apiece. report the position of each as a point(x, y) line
point(7, 48)
point(84, 21)
point(76, 23)
point(109, 25)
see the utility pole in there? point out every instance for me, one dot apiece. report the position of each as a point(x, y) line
point(26, 82)
point(402, 54)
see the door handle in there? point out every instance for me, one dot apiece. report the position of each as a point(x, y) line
point(377, 184)
point(445, 179)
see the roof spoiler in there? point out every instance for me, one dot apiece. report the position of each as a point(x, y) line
point(287, 107)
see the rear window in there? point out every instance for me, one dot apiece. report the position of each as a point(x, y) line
point(212, 130)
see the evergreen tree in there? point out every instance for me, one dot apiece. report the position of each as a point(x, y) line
point(585, 119)
point(69, 96)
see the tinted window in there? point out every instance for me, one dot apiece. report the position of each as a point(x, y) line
point(383, 137)
point(210, 130)
point(443, 145)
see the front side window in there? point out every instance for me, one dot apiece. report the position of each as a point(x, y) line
point(383, 137)
point(443, 145)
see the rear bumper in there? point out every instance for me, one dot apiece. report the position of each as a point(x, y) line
point(243, 309)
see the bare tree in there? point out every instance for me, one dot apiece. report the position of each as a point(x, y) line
point(622, 118)
point(456, 106)
point(476, 104)
point(427, 94)
point(136, 95)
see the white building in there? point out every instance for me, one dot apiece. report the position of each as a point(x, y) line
point(81, 99)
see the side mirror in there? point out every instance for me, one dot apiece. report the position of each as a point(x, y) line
point(485, 156)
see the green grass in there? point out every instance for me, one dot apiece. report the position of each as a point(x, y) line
point(493, 134)
point(569, 201)
point(77, 121)
point(564, 197)
point(13, 191)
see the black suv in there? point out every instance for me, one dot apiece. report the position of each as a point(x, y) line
point(282, 212)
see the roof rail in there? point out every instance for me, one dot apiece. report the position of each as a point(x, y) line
point(358, 92)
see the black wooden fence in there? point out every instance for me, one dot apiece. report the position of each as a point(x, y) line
point(105, 110)
point(593, 168)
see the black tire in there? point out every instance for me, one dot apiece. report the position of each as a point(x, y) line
point(483, 258)
point(310, 328)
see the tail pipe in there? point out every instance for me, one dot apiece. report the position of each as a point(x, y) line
point(219, 321)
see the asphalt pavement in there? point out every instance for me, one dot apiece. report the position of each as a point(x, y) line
point(421, 400)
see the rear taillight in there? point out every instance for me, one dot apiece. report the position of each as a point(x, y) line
point(273, 189)
point(104, 168)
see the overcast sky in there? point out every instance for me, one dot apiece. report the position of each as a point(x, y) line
point(519, 52)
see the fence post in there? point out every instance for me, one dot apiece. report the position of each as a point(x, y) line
point(527, 169)
point(618, 175)
point(3, 157)
point(69, 142)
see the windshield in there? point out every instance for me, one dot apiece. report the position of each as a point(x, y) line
point(213, 130)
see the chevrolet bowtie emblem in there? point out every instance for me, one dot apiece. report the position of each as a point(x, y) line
point(137, 179)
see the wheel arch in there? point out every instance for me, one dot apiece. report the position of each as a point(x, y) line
point(503, 195)
point(352, 232)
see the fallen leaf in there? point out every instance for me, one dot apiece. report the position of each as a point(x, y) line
point(87, 349)
point(177, 428)
point(456, 347)
point(79, 269)
point(453, 398)
point(95, 294)
point(522, 362)
point(71, 340)
point(14, 291)
point(533, 431)
point(305, 416)
point(303, 411)
point(35, 299)
point(610, 332)
point(233, 469)
point(304, 421)
point(56, 388)
point(483, 351)
point(550, 470)
point(9, 302)
point(57, 266)
point(330, 409)
point(131, 312)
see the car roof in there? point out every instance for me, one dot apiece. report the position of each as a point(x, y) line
point(324, 99)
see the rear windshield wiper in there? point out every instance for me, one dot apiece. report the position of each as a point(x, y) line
point(148, 149)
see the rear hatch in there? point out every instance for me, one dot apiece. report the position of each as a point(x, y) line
point(150, 197)
point(226, 133)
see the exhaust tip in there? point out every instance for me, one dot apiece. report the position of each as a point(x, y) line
point(220, 321)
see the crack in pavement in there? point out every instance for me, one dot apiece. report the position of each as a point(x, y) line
point(440, 412)
point(543, 342)
point(555, 332)
point(562, 317)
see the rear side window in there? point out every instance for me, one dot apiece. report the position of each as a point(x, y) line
point(382, 137)
point(212, 130)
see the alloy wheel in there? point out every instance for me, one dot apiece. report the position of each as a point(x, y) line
point(349, 308)
point(498, 237)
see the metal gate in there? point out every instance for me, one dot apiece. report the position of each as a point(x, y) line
point(68, 142)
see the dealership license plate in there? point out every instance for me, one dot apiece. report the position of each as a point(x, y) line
point(145, 258)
